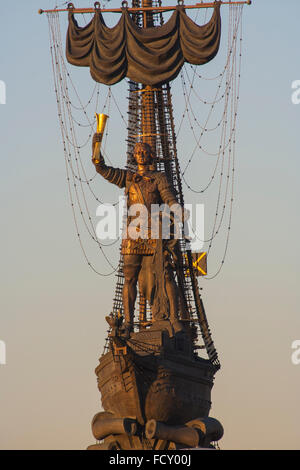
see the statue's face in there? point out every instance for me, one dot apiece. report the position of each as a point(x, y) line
point(142, 154)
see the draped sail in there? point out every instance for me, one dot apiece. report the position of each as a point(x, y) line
point(151, 56)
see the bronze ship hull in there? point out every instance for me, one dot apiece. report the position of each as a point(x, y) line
point(155, 377)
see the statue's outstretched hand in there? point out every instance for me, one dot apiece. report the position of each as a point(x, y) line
point(97, 157)
point(97, 138)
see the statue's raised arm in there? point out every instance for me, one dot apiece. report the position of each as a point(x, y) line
point(113, 175)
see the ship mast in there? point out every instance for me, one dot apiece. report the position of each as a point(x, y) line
point(148, 92)
point(151, 121)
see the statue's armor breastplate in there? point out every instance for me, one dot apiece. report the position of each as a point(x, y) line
point(150, 188)
point(141, 190)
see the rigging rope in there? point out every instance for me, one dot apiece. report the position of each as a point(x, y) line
point(230, 118)
point(224, 166)
point(73, 162)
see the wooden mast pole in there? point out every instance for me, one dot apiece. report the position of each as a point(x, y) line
point(148, 124)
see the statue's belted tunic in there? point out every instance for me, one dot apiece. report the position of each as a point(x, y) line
point(149, 188)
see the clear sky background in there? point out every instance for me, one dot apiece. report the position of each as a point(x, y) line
point(53, 306)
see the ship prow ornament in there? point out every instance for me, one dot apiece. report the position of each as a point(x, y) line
point(155, 387)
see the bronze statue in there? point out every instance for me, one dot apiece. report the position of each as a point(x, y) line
point(155, 386)
point(147, 187)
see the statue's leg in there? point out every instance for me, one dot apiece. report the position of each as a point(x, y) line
point(132, 266)
point(146, 285)
point(171, 289)
point(142, 297)
point(147, 277)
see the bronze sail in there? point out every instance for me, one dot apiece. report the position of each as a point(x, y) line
point(152, 55)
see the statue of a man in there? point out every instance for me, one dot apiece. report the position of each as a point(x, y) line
point(146, 186)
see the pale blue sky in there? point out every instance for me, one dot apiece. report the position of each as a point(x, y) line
point(53, 306)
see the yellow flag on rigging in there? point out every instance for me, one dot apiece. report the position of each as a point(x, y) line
point(199, 263)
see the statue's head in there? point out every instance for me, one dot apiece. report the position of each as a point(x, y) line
point(143, 153)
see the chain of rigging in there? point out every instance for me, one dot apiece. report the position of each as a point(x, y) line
point(65, 117)
point(67, 102)
point(231, 102)
point(194, 67)
point(237, 85)
point(231, 165)
point(228, 84)
point(221, 150)
point(205, 129)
